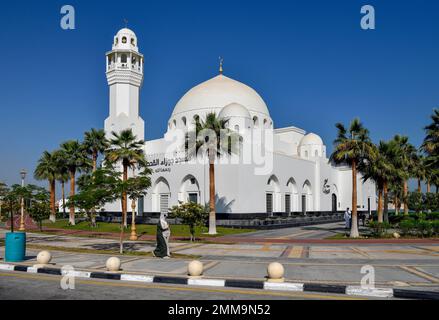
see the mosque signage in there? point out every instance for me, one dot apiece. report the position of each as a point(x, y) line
point(326, 187)
point(164, 164)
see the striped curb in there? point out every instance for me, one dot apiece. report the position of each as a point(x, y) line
point(232, 283)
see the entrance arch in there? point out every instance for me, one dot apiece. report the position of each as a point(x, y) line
point(307, 197)
point(292, 188)
point(189, 190)
point(273, 195)
point(161, 196)
point(334, 203)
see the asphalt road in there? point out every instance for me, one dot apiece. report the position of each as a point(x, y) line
point(18, 286)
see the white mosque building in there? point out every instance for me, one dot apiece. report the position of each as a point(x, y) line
point(286, 170)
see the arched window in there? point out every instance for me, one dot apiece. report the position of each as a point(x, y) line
point(133, 42)
point(123, 58)
point(175, 123)
point(124, 40)
point(265, 122)
point(184, 121)
point(255, 121)
point(196, 118)
point(237, 128)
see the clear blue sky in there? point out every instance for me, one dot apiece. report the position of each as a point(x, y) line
point(310, 60)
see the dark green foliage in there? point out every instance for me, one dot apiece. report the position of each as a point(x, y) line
point(191, 214)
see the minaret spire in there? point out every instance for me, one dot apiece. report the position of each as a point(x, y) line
point(221, 61)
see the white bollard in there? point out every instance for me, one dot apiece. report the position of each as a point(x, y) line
point(43, 259)
point(113, 264)
point(195, 269)
point(275, 272)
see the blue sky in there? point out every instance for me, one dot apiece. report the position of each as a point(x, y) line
point(310, 60)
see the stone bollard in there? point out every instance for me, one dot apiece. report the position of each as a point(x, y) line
point(113, 264)
point(195, 269)
point(275, 272)
point(396, 235)
point(43, 259)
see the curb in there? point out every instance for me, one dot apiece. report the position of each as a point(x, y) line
point(249, 284)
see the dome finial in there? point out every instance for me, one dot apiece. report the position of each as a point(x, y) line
point(126, 22)
point(221, 61)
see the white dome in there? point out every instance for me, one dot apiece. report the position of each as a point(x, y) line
point(126, 32)
point(311, 139)
point(216, 93)
point(234, 110)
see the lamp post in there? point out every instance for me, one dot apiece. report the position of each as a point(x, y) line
point(23, 176)
point(133, 236)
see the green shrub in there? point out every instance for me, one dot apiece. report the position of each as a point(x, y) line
point(435, 226)
point(424, 228)
point(408, 226)
point(379, 229)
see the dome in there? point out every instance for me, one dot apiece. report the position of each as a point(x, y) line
point(234, 110)
point(311, 139)
point(125, 39)
point(216, 93)
point(126, 32)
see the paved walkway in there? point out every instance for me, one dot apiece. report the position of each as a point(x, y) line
point(414, 265)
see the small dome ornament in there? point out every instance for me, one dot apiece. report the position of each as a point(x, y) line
point(221, 62)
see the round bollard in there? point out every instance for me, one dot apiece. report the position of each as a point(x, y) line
point(396, 235)
point(275, 272)
point(195, 269)
point(44, 257)
point(113, 264)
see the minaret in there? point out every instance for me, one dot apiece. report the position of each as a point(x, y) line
point(125, 77)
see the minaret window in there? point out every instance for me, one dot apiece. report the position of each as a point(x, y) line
point(255, 121)
point(123, 58)
point(133, 42)
point(124, 40)
point(184, 121)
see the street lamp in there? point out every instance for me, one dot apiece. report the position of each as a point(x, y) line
point(133, 236)
point(23, 176)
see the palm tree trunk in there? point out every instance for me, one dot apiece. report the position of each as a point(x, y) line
point(396, 202)
point(428, 186)
point(72, 193)
point(63, 194)
point(386, 201)
point(124, 198)
point(354, 224)
point(123, 221)
point(419, 186)
point(406, 191)
point(52, 201)
point(380, 203)
point(94, 158)
point(212, 213)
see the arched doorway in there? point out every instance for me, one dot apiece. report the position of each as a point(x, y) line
point(307, 198)
point(161, 195)
point(293, 195)
point(334, 203)
point(189, 190)
point(272, 195)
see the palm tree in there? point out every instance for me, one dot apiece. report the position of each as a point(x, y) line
point(418, 170)
point(3, 192)
point(213, 137)
point(353, 146)
point(126, 149)
point(47, 170)
point(76, 160)
point(431, 141)
point(95, 143)
point(407, 155)
point(62, 175)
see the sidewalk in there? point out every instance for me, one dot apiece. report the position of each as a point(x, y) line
point(395, 265)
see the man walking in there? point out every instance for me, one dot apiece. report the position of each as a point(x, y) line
point(347, 218)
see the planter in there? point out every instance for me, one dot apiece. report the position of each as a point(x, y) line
point(15, 246)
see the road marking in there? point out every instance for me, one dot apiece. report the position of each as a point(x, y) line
point(296, 252)
point(360, 252)
point(419, 273)
point(293, 235)
point(179, 288)
point(187, 246)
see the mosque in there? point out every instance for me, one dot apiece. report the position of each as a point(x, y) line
point(277, 171)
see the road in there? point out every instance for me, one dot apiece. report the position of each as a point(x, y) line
point(18, 286)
